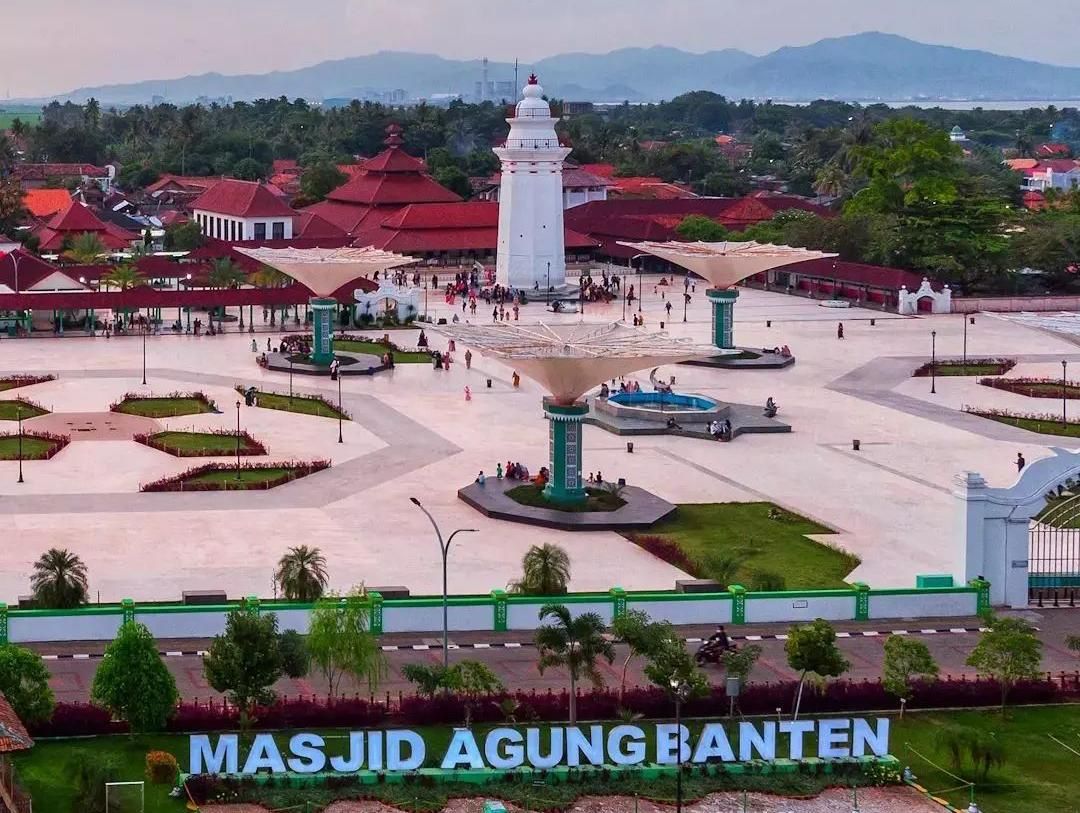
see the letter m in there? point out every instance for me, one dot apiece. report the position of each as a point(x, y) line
point(223, 758)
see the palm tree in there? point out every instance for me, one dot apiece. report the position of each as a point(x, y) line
point(575, 644)
point(831, 180)
point(224, 273)
point(545, 571)
point(301, 573)
point(59, 580)
point(85, 249)
point(123, 277)
point(267, 277)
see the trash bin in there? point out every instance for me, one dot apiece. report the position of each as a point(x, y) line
point(629, 447)
point(855, 445)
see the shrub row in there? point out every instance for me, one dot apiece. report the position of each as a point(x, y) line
point(10, 382)
point(1034, 387)
point(58, 441)
point(139, 396)
point(180, 482)
point(240, 388)
point(1001, 365)
point(79, 719)
point(1006, 415)
point(249, 447)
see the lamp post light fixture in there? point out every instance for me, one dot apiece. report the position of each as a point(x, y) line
point(444, 548)
point(640, 271)
point(290, 379)
point(18, 416)
point(680, 690)
point(238, 439)
point(933, 362)
point(967, 319)
point(144, 355)
point(1064, 393)
point(340, 439)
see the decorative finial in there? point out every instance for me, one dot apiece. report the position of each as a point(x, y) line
point(393, 136)
point(533, 80)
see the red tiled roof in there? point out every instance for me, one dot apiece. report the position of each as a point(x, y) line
point(285, 166)
point(1051, 149)
point(45, 202)
point(32, 270)
point(396, 188)
point(10, 721)
point(603, 170)
point(311, 225)
point(572, 178)
point(348, 216)
point(172, 216)
point(1058, 164)
point(42, 172)
point(184, 183)
point(242, 199)
point(645, 187)
point(760, 207)
point(875, 276)
point(77, 219)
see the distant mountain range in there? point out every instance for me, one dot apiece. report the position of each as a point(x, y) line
point(862, 67)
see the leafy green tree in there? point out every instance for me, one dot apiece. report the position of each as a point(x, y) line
point(642, 637)
point(123, 277)
point(474, 680)
point(1072, 643)
point(85, 249)
point(740, 662)
point(133, 682)
point(574, 644)
point(321, 179)
point(301, 574)
point(225, 273)
point(59, 580)
point(905, 659)
point(245, 662)
point(12, 211)
point(341, 642)
point(671, 664)
point(429, 680)
point(248, 169)
point(454, 179)
point(89, 772)
point(1009, 651)
point(24, 681)
point(186, 236)
point(295, 658)
point(545, 571)
point(700, 227)
point(812, 649)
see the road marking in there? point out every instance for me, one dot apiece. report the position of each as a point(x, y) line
point(512, 646)
point(481, 646)
point(173, 654)
point(389, 648)
point(869, 633)
point(899, 632)
point(843, 635)
point(928, 632)
point(753, 637)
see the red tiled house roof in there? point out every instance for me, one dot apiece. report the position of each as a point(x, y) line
point(309, 225)
point(45, 202)
point(76, 219)
point(31, 271)
point(182, 183)
point(241, 199)
point(42, 172)
point(19, 739)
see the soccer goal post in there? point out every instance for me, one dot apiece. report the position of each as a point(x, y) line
point(125, 797)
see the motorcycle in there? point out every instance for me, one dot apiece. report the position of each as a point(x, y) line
point(713, 649)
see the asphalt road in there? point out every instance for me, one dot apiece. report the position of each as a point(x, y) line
point(513, 658)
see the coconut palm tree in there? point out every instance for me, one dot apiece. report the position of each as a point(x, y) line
point(301, 574)
point(59, 580)
point(224, 273)
point(123, 277)
point(85, 249)
point(574, 644)
point(267, 277)
point(545, 571)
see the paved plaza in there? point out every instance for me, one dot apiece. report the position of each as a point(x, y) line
point(415, 434)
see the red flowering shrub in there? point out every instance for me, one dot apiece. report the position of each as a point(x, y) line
point(666, 550)
point(182, 482)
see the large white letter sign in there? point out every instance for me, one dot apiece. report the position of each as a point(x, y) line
point(417, 750)
point(462, 752)
point(355, 759)
point(713, 743)
point(863, 736)
point(508, 758)
point(797, 729)
point(577, 746)
point(224, 758)
point(308, 756)
point(750, 741)
point(832, 737)
point(633, 752)
point(532, 748)
point(672, 744)
point(264, 753)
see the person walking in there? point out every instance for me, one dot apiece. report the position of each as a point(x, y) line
point(1020, 462)
point(468, 359)
point(839, 330)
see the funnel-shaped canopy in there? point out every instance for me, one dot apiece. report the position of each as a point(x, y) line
point(726, 263)
point(324, 270)
point(569, 360)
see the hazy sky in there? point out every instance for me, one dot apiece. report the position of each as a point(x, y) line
point(63, 44)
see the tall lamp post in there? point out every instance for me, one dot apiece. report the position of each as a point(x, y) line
point(340, 439)
point(237, 439)
point(933, 362)
point(18, 416)
point(685, 303)
point(144, 354)
point(444, 548)
point(1064, 393)
point(680, 691)
point(967, 319)
point(640, 270)
point(290, 378)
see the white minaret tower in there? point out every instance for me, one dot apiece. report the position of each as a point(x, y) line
point(531, 249)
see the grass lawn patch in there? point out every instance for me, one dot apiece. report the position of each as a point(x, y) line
point(165, 406)
point(1043, 424)
point(762, 538)
point(35, 446)
point(373, 348)
point(202, 444)
point(301, 404)
point(969, 367)
point(1035, 387)
point(223, 477)
point(12, 408)
point(10, 382)
point(599, 499)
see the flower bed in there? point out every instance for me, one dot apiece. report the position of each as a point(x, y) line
point(1041, 422)
point(13, 408)
point(35, 446)
point(300, 344)
point(213, 443)
point(222, 477)
point(302, 404)
point(164, 406)
point(10, 382)
point(82, 719)
point(949, 367)
point(1035, 387)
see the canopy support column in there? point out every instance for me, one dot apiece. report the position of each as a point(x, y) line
point(723, 316)
point(322, 330)
point(564, 433)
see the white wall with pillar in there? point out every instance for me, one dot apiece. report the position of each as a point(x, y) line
point(994, 537)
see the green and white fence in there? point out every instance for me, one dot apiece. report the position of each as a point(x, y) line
point(502, 612)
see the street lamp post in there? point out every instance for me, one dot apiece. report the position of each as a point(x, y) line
point(444, 548)
point(1064, 393)
point(340, 439)
point(680, 690)
point(290, 378)
point(144, 354)
point(640, 289)
point(965, 336)
point(18, 415)
point(685, 303)
point(237, 439)
point(933, 362)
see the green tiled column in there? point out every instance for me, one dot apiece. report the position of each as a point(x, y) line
point(618, 602)
point(127, 607)
point(322, 330)
point(500, 617)
point(3, 623)
point(564, 441)
point(738, 603)
point(862, 601)
point(723, 316)
point(982, 604)
point(376, 620)
point(250, 604)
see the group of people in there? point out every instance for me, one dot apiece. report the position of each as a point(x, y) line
point(720, 430)
point(598, 291)
point(596, 479)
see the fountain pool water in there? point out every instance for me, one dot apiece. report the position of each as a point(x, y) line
point(667, 401)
